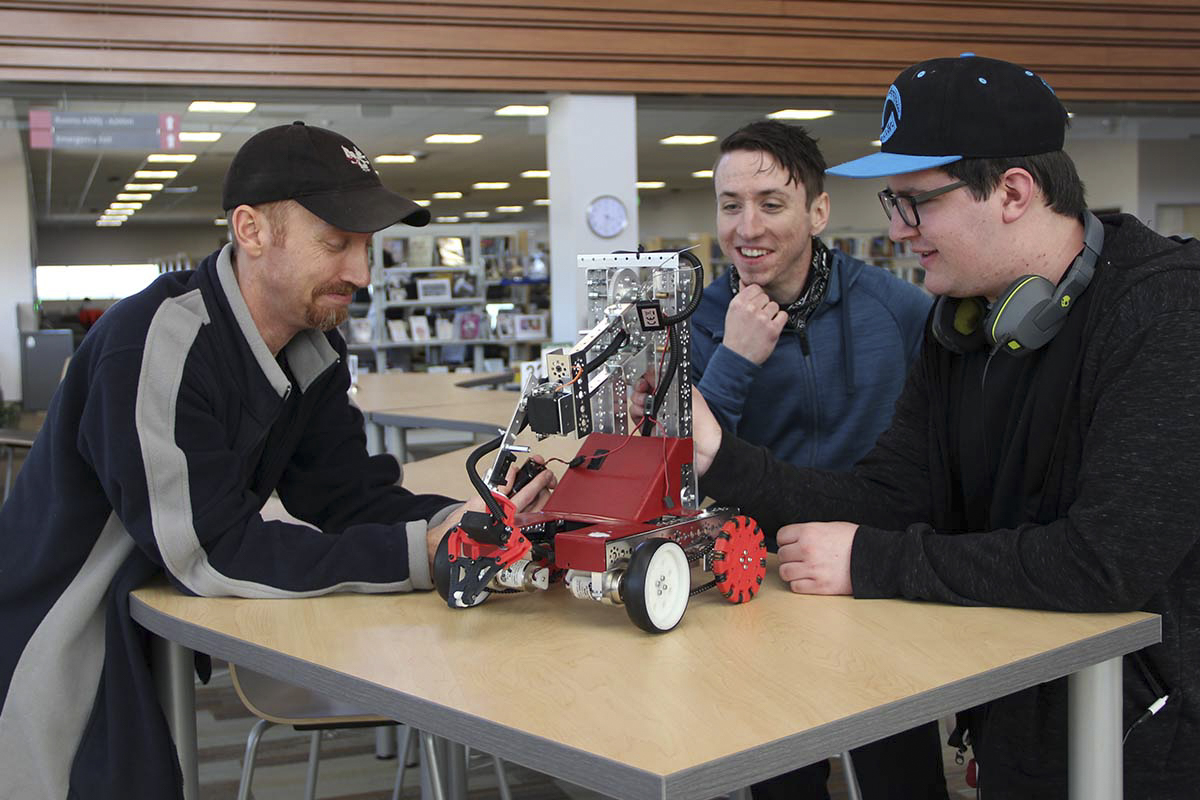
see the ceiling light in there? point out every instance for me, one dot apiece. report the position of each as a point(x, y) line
point(118, 212)
point(800, 113)
point(453, 138)
point(125, 205)
point(422, 203)
point(510, 209)
point(135, 196)
point(876, 143)
point(523, 111)
point(108, 223)
point(536, 173)
point(702, 173)
point(690, 139)
point(116, 216)
point(491, 185)
point(476, 214)
point(447, 195)
point(215, 107)
point(199, 136)
point(397, 158)
point(446, 219)
point(542, 201)
point(220, 221)
point(161, 174)
point(651, 184)
point(170, 158)
point(143, 187)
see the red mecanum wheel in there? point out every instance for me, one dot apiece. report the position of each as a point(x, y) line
point(739, 559)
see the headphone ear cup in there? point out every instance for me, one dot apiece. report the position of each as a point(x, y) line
point(956, 323)
point(1010, 322)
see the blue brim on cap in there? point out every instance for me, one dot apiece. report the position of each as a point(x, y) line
point(880, 165)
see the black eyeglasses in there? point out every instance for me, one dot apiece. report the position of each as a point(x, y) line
point(907, 204)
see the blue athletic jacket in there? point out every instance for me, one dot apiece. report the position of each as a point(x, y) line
point(172, 427)
point(821, 402)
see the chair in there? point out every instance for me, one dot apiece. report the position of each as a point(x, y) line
point(277, 702)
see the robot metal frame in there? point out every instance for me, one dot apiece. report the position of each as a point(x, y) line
point(624, 526)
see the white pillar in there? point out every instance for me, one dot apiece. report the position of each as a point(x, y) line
point(591, 150)
point(16, 249)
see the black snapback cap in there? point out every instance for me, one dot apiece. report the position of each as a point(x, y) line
point(322, 171)
point(947, 109)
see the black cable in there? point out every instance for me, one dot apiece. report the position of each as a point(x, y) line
point(664, 384)
point(477, 482)
point(621, 338)
point(697, 288)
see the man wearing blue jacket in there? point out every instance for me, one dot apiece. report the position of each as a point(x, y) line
point(803, 349)
point(185, 407)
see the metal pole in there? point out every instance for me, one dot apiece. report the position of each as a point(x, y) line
point(173, 666)
point(1095, 768)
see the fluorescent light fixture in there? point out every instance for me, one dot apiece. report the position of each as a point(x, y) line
point(542, 201)
point(125, 205)
point(651, 184)
point(702, 173)
point(447, 219)
point(688, 139)
point(800, 113)
point(453, 138)
point(396, 158)
point(109, 223)
point(447, 195)
point(199, 136)
point(522, 111)
point(876, 143)
point(170, 158)
point(476, 214)
point(143, 187)
point(491, 185)
point(116, 217)
point(118, 212)
point(135, 196)
point(536, 173)
point(220, 221)
point(422, 203)
point(216, 107)
point(510, 209)
point(151, 174)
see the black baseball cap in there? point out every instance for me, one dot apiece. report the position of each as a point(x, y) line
point(322, 171)
point(948, 109)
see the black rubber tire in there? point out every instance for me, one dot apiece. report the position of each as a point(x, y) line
point(634, 588)
point(441, 568)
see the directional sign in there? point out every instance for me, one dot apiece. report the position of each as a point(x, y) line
point(84, 130)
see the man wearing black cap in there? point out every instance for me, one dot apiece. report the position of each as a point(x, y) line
point(185, 407)
point(1045, 452)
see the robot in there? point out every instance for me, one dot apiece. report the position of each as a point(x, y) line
point(624, 526)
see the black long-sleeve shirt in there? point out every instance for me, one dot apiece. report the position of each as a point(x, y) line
point(1090, 505)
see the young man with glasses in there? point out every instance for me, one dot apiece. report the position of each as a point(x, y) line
point(1045, 452)
point(804, 349)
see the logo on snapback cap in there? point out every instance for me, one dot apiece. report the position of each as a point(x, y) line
point(358, 158)
point(892, 112)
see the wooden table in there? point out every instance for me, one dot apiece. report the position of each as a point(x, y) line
point(393, 402)
point(734, 695)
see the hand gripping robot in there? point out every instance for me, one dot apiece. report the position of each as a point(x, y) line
point(624, 525)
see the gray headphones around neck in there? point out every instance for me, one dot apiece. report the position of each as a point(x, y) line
point(1027, 314)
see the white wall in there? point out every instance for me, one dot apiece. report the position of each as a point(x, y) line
point(1169, 174)
point(16, 250)
point(1110, 172)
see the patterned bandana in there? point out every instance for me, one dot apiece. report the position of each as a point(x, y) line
point(814, 289)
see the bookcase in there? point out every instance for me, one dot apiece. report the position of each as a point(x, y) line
point(874, 247)
point(437, 297)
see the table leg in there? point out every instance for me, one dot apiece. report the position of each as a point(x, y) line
point(385, 741)
point(375, 445)
point(1095, 769)
point(174, 667)
point(456, 771)
point(396, 442)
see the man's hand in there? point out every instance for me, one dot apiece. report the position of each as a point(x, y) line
point(706, 433)
point(531, 497)
point(814, 557)
point(753, 323)
point(642, 391)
